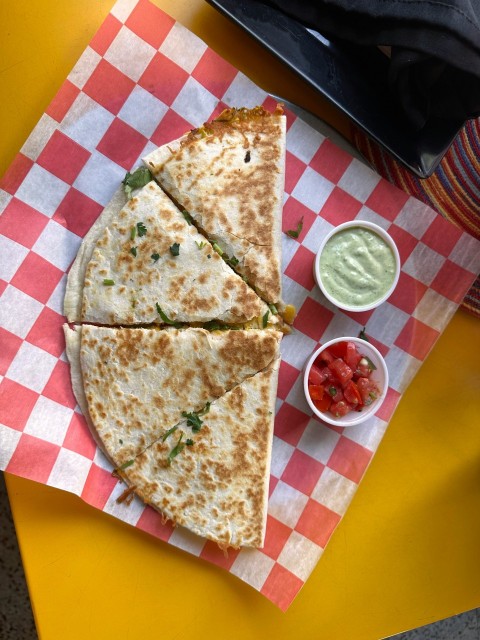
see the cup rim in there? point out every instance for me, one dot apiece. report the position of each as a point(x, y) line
point(385, 236)
point(356, 417)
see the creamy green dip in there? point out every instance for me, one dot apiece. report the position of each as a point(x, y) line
point(357, 266)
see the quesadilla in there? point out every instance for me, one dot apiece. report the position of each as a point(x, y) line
point(142, 263)
point(214, 479)
point(229, 176)
point(133, 385)
point(185, 411)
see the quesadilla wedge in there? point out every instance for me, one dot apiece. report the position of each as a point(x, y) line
point(229, 176)
point(214, 479)
point(143, 263)
point(133, 385)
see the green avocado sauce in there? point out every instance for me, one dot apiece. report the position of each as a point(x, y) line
point(357, 266)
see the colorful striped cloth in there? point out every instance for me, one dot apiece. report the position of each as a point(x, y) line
point(453, 190)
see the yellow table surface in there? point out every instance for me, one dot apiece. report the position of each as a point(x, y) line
point(408, 550)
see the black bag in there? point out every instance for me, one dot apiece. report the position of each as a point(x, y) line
point(434, 47)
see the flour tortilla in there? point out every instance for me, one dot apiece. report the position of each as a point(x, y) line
point(217, 486)
point(108, 284)
point(134, 384)
point(72, 304)
point(229, 175)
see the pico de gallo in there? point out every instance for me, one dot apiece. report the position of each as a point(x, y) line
point(340, 380)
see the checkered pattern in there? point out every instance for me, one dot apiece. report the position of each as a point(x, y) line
point(143, 81)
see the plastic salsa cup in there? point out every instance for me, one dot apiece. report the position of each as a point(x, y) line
point(357, 266)
point(379, 376)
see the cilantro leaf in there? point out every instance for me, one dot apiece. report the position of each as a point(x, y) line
point(189, 442)
point(187, 216)
point(214, 325)
point(194, 420)
point(133, 251)
point(155, 256)
point(164, 316)
point(139, 178)
point(294, 233)
point(233, 261)
point(178, 448)
point(205, 410)
point(175, 249)
point(141, 229)
point(363, 336)
point(126, 464)
point(169, 432)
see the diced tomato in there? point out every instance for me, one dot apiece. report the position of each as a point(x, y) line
point(334, 391)
point(340, 409)
point(368, 390)
point(352, 394)
point(325, 372)
point(324, 403)
point(352, 357)
point(325, 357)
point(316, 375)
point(341, 370)
point(316, 391)
point(339, 349)
point(328, 375)
point(364, 368)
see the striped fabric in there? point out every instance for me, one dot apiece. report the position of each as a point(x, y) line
point(453, 190)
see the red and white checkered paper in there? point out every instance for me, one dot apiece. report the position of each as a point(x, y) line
point(145, 80)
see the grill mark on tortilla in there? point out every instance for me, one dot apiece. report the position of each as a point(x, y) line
point(234, 353)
